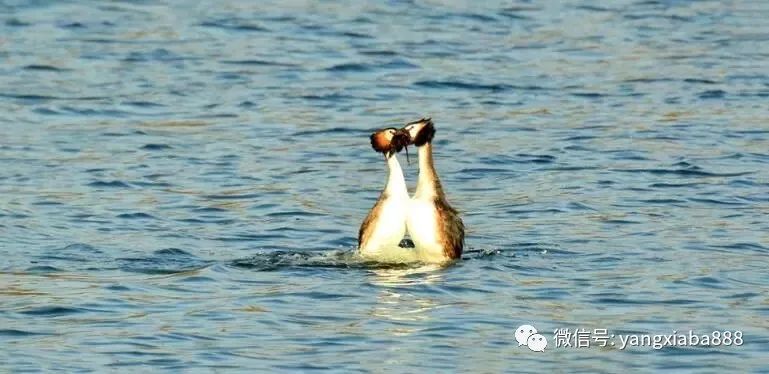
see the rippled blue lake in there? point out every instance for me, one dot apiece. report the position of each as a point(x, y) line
point(181, 183)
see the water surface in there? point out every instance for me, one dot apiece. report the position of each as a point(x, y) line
point(182, 183)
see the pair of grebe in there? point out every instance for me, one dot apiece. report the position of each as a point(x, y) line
point(432, 224)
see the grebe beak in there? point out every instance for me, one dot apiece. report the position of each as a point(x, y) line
point(420, 131)
point(401, 140)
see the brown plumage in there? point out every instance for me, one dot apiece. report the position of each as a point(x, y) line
point(373, 215)
point(453, 239)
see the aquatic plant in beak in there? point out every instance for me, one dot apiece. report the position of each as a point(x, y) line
point(401, 140)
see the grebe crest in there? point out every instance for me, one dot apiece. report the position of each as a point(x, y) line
point(389, 141)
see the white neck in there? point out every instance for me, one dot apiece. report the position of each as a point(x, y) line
point(396, 183)
point(428, 185)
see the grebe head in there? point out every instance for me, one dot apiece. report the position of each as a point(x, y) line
point(420, 132)
point(389, 140)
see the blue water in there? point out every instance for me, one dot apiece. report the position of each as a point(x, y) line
point(181, 183)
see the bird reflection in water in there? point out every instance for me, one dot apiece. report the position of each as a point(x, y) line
point(402, 300)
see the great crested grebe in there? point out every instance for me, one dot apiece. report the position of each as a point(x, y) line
point(433, 225)
point(385, 224)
